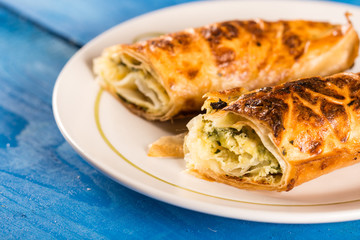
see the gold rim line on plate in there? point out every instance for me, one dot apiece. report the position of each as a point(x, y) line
point(111, 146)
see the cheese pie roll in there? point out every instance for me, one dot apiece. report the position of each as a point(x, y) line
point(166, 77)
point(276, 138)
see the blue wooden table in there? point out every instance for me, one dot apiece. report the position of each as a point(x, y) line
point(47, 191)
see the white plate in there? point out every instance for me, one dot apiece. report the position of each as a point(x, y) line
point(115, 141)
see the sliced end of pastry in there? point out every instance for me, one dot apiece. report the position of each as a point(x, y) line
point(228, 149)
point(130, 80)
point(278, 137)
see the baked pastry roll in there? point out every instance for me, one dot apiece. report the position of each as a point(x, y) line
point(167, 76)
point(276, 138)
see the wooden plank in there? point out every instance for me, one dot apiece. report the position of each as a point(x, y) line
point(80, 21)
point(46, 189)
point(48, 192)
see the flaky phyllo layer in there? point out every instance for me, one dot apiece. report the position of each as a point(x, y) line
point(166, 77)
point(223, 146)
point(131, 81)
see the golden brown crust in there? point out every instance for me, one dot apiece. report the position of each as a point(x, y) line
point(249, 54)
point(313, 122)
point(240, 51)
point(326, 105)
point(227, 95)
point(304, 171)
point(241, 183)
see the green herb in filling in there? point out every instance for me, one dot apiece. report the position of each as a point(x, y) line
point(241, 153)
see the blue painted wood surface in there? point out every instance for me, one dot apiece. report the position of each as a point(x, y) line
point(47, 191)
point(82, 20)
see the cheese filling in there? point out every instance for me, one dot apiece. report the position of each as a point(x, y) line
point(132, 82)
point(235, 151)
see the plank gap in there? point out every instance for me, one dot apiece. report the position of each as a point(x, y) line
point(40, 26)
